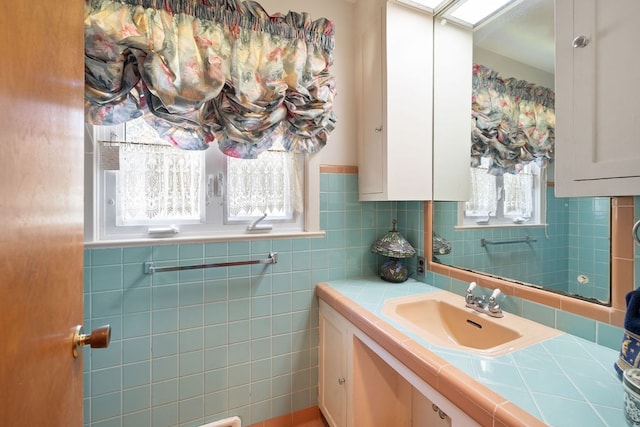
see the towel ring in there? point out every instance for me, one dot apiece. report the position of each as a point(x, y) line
point(634, 231)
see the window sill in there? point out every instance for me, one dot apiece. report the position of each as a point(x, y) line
point(97, 244)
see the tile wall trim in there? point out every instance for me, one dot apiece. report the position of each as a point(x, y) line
point(343, 169)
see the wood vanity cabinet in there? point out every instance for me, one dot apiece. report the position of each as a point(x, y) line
point(361, 384)
point(394, 71)
point(597, 92)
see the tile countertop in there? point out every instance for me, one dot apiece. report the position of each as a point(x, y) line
point(563, 381)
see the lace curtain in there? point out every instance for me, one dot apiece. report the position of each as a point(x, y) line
point(513, 122)
point(518, 195)
point(484, 194)
point(201, 71)
point(167, 188)
point(270, 184)
point(515, 190)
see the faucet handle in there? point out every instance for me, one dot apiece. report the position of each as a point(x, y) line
point(493, 306)
point(468, 298)
point(471, 287)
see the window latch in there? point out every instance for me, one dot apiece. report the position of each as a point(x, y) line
point(163, 231)
point(256, 227)
point(215, 187)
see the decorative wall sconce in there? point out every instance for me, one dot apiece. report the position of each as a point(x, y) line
point(396, 247)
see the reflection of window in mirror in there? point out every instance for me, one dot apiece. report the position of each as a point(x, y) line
point(504, 200)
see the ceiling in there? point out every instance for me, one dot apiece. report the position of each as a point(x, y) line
point(523, 33)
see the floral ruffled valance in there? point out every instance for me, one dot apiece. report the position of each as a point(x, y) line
point(201, 71)
point(513, 122)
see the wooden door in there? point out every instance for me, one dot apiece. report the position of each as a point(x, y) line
point(41, 209)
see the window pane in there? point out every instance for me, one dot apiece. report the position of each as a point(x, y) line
point(505, 200)
point(269, 184)
point(484, 195)
point(518, 195)
point(159, 184)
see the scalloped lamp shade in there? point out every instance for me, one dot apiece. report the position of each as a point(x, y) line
point(395, 246)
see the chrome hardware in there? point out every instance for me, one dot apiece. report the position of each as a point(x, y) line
point(481, 304)
point(378, 129)
point(526, 239)
point(150, 268)
point(580, 42)
point(215, 188)
point(493, 306)
point(634, 231)
point(98, 338)
point(468, 298)
point(341, 380)
point(163, 231)
point(255, 226)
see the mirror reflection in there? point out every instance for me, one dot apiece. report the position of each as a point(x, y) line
point(513, 227)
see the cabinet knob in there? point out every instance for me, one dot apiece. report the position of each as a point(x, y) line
point(378, 129)
point(341, 380)
point(580, 41)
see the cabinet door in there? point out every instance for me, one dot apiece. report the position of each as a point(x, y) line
point(372, 167)
point(395, 74)
point(408, 83)
point(597, 89)
point(333, 367)
point(453, 60)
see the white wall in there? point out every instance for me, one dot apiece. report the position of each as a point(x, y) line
point(341, 146)
point(507, 68)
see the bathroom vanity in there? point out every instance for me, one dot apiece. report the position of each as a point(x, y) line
point(376, 371)
point(362, 384)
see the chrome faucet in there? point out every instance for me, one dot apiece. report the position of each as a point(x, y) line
point(480, 304)
point(468, 298)
point(493, 306)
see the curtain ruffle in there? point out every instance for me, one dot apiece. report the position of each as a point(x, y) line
point(513, 122)
point(211, 70)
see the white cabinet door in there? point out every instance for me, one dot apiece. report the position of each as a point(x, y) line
point(333, 367)
point(452, 64)
point(372, 167)
point(597, 92)
point(395, 72)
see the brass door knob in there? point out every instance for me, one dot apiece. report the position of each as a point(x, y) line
point(98, 338)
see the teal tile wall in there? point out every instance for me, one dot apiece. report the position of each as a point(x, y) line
point(575, 242)
point(589, 246)
point(196, 346)
point(542, 262)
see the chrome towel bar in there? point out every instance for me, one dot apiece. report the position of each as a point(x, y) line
point(526, 239)
point(149, 268)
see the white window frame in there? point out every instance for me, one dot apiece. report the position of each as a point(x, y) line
point(305, 225)
point(498, 219)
